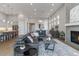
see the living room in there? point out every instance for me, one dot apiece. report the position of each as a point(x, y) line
point(39, 29)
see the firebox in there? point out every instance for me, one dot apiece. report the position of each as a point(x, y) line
point(75, 37)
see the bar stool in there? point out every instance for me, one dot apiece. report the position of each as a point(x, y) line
point(11, 35)
point(14, 34)
point(1, 38)
point(4, 36)
point(8, 36)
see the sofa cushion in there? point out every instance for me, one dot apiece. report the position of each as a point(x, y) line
point(30, 38)
point(26, 40)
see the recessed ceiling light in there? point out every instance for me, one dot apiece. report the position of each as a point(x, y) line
point(35, 9)
point(58, 17)
point(31, 4)
point(51, 9)
point(20, 15)
point(3, 20)
point(48, 14)
point(8, 22)
point(54, 18)
point(52, 4)
point(40, 21)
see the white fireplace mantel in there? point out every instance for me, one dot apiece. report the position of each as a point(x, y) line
point(72, 24)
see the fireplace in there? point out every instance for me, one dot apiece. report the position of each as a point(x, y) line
point(75, 37)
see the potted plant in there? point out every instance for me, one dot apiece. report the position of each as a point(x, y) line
point(62, 35)
point(56, 32)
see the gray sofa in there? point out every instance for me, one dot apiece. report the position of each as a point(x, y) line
point(30, 47)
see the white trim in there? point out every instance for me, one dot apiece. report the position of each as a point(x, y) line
point(72, 24)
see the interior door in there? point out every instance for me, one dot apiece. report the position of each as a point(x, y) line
point(31, 27)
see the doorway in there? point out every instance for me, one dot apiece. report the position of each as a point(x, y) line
point(31, 27)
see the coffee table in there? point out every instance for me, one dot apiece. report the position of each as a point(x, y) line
point(48, 43)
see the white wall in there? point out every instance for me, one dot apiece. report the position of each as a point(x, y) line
point(2, 17)
point(46, 24)
point(22, 24)
point(34, 21)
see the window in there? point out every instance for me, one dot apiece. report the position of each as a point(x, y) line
point(58, 19)
point(54, 22)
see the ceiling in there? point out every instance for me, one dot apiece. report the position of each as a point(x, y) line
point(30, 10)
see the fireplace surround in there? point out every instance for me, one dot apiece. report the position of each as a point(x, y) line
point(70, 29)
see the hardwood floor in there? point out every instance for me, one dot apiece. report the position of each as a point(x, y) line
point(6, 47)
